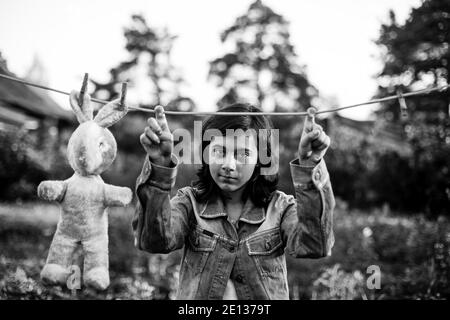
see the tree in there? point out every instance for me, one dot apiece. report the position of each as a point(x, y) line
point(149, 52)
point(262, 67)
point(149, 49)
point(416, 55)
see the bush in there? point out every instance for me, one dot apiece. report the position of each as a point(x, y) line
point(25, 162)
point(412, 253)
point(366, 176)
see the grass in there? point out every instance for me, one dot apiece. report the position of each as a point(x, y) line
point(412, 254)
point(26, 231)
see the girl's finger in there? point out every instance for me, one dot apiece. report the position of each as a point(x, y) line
point(153, 124)
point(151, 135)
point(320, 139)
point(310, 137)
point(161, 118)
point(309, 124)
point(323, 145)
point(317, 127)
point(145, 141)
point(316, 156)
point(166, 136)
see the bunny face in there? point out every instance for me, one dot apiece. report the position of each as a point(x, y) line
point(91, 149)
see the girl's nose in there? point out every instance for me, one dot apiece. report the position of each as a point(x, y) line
point(230, 163)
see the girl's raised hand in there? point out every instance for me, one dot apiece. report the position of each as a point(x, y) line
point(314, 141)
point(157, 140)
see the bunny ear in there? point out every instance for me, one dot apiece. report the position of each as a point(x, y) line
point(110, 113)
point(86, 112)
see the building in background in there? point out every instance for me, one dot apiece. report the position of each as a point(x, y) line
point(24, 107)
point(30, 113)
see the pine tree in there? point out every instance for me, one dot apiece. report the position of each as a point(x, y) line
point(148, 48)
point(262, 67)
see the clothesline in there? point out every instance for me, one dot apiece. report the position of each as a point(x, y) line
point(399, 96)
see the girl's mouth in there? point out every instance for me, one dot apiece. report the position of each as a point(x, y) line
point(227, 177)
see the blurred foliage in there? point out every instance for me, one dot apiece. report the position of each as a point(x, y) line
point(261, 68)
point(416, 55)
point(413, 254)
point(336, 284)
point(24, 152)
point(366, 175)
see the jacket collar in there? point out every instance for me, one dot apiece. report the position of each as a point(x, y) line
point(215, 208)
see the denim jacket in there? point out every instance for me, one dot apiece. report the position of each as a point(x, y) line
point(250, 252)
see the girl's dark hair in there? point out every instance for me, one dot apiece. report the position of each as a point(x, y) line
point(259, 188)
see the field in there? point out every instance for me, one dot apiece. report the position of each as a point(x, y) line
point(411, 252)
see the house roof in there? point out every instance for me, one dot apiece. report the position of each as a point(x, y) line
point(32, 103)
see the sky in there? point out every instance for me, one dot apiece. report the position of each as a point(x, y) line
point(333, 39)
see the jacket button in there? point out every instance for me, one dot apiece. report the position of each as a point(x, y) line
point(268, 245)
point(317, 175)
point(231, 248)
point(239, 279)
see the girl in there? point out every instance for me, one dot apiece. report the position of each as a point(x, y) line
point(233, 223)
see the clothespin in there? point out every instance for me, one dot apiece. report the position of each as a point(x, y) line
point(402, 103)
point(123, 94)
point(311, 114)
point(83, 89)
point(443, 88)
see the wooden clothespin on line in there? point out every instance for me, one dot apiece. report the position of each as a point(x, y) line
point(123, 94)
point(311, 115)
point(443, 89)
point(402, 103)
point(83, 89)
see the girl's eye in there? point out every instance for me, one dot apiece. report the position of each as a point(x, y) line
point(218, 152)
point(243, 154)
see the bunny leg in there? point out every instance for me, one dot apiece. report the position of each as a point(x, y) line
point(56, 269)
point(96, 262)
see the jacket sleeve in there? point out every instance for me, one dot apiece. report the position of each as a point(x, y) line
point(160, 224)
point(307, 222)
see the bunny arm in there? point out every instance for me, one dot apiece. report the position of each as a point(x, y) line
point(52, 190)
point(117, 196)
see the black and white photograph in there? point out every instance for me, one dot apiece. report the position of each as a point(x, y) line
point(225, 150)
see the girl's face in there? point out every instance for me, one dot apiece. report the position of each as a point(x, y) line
point(232, 160)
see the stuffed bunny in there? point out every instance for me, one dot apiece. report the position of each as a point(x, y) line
point(84, 197)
